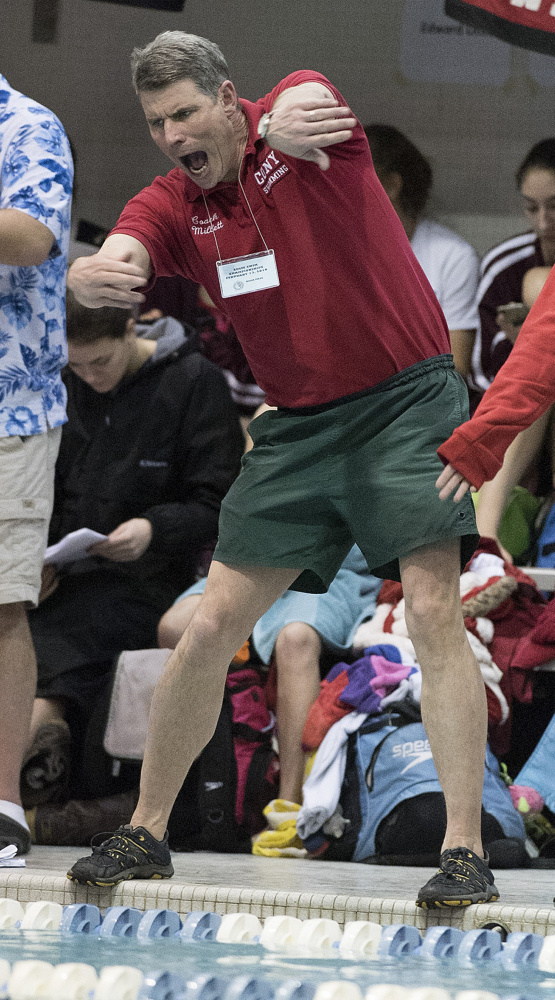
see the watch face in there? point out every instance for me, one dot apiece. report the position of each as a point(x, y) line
point(264, 125)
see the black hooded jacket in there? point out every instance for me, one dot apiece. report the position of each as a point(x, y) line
point(164, 445)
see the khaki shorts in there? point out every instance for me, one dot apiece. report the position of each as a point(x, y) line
point(26, 499)
point(362, 469)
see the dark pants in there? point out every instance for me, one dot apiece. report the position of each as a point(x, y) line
point(81, 628)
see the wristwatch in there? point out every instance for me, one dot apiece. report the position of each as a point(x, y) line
point(264, 125)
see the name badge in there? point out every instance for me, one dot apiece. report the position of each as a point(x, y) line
point(252, 273)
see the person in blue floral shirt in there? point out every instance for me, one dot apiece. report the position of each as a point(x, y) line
point(36, 176)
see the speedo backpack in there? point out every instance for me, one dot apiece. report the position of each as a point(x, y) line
point(219, 806)
point(393, 803)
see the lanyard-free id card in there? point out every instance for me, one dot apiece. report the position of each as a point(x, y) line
point(252, 273)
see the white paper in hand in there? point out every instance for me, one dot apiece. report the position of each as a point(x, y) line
point(8, 858)
point(73, 546)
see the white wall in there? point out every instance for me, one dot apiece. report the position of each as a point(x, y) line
point(475, 136)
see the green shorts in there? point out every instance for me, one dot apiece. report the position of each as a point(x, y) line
point(361, 469)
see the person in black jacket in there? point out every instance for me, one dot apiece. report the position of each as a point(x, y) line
point(152, 445)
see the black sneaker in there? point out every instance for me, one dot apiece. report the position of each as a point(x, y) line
point(12, 832)
point(463, 878)
point(131, 852)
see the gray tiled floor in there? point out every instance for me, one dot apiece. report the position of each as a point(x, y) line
point(517, 887)
point(273, 886)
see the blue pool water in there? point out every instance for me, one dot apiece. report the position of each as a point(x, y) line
point(191, 958)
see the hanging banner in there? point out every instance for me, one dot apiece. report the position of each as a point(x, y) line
point(529, 24)
point(437, 49)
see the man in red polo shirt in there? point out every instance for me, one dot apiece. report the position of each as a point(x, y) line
point(275, 208)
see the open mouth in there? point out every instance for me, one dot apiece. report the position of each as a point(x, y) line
point(195, 162)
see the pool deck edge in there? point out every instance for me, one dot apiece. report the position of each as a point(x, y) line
point(28, 885)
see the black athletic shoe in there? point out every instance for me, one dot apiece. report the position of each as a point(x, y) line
point(12, 832)
point(463, 878)
point(131, 852)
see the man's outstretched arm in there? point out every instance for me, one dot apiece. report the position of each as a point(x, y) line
point(112, 276)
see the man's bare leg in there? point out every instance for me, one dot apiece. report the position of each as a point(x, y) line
point(19, 681)
point(454, 709)
point(188, 697)
point(297, 655)
point(454, 713)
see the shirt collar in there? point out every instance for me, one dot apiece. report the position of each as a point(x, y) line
point(253, 114)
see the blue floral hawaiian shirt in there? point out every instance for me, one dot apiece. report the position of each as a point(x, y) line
point(36, 175)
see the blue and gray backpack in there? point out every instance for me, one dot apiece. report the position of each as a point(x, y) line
point(393, 803)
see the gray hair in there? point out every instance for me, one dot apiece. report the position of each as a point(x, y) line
point(174, 56)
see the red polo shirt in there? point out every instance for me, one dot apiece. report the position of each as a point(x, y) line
point(353, 306)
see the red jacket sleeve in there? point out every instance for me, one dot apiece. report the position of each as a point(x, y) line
point(523, 389)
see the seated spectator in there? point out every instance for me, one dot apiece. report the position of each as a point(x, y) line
point(151, 446)
point(505, 266)
point(296, 630)
point(449, 262)
point(522, 454)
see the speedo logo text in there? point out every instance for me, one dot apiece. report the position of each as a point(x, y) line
point(416, 750)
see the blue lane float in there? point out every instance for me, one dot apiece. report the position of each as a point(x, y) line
point(159, 924)
point(521, 949)
point(205, 987)
point(80, 918)
point(249, 988)
point(441, 943)
point(162, 986)
point(479, 946)
point(121, 921)
point(399, 940)
point(200, 925)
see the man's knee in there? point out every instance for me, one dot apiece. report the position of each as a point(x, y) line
point(431, 588)
point(433, 611)
point(218, 624)
point(297, 641)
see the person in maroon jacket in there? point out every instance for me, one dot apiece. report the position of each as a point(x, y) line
point(504, 267)
point(519, 396)
point(276, 209)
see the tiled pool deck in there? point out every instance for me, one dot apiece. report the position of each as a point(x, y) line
point(266, 886)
